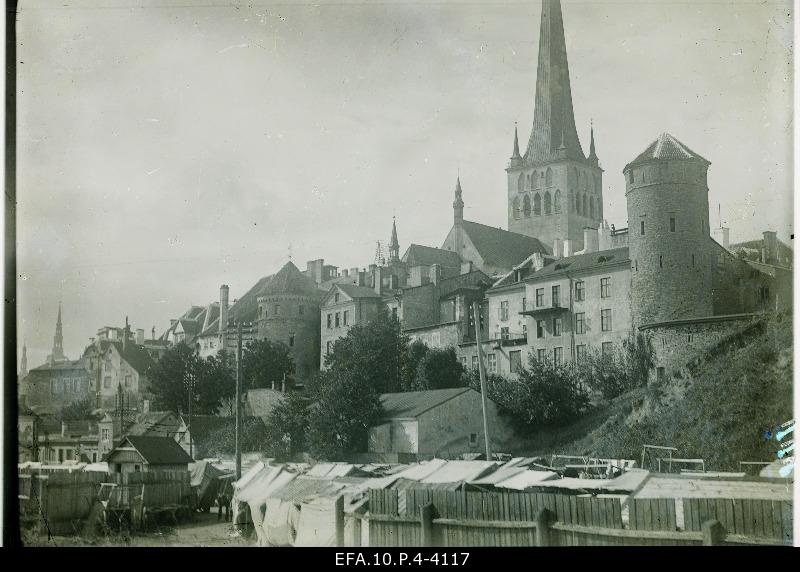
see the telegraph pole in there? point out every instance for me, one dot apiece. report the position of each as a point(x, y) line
point(238, 400)
point(190, 381)
point(476, 309)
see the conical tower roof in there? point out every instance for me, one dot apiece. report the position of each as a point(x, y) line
point(668, 148)
point(289, 280)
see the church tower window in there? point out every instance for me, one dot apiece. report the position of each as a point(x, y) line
point(526, 206)
point(549, 177)
point(591, 207)
point(516, 208)
point(585, 206)
point(557, 201)
point(537, 204)
point(548, 203)
point(521, 183)
point(578, 206)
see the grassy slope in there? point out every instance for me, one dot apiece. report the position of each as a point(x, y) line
point(736, 392)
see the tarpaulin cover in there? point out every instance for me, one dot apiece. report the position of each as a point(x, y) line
point(456, 471)
point(525, 479)
point(626, 482)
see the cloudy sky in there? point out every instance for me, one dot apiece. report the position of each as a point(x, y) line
point(172, 146)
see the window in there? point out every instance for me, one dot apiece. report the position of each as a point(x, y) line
point(277, 309)
point(515, 209)
point(580, 292)
point(526, 206)
point(539, 328)
point(301, 310)
point(344, 317)
point(539, 297)
point(608, 348)
point(503, 333)
point(504, 311)
point(672, 224)
point(107, 381)
point(328, 348)
point(127, 381)
point(524, 304)
point(515, 361)
point(61, 455)
point(329, 321)
point(394, 313)
point(537, 204)
point(557, 201)
point(336, 298)
point(641, 229)
point(105, 434)
point(580, 323)
point(558, 356)
point(475, 363)
point(463, 361)
point(556, 294)
point(605, 320)
point(291, 340)
point(660, 261)
point(660, 373)
point(548, 204)
point(556, 326)
point(690, 338)
point(137, 468)
point(580, 353)
point(549, 177)
point(336, 321)
point(491, 360)
point(541, 355)
point(473, 439)
point(605, 287)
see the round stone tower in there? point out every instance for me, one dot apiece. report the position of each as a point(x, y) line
point(671, 261)
point(288, 312)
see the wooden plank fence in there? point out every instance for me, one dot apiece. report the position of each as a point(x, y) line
point(425, 517)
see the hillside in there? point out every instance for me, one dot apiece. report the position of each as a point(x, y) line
point(736, 392)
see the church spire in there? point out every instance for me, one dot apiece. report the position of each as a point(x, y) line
point(394, 244)
point(458, 203)
point(58, 340)
point(592, 154)
point(515, 155)
point(554, 118)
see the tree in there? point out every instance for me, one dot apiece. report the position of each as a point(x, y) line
point(215, 381)
point(415, 352)
point(620, 370)
point(222, 441)
point(287, 426)
point(81, 409)
point(265, 362)
point(347, 405)
point(373, 352)
point(439, 369)
point(169, 377)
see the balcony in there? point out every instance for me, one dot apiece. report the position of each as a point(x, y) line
point(553, 308)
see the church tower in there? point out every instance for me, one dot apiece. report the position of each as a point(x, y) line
point(58, 342)
point(394, 244)
point(554, 190)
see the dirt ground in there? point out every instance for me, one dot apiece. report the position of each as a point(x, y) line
point(204, 530)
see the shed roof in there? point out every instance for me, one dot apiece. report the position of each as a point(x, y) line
point(411, 404)
point(158, 450)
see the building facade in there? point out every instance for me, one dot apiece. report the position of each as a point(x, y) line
point(343, 307)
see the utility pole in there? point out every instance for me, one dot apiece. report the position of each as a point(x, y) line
point(476, 309)
point(238, 400)
point(190, 381)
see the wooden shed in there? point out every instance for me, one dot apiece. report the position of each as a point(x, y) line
point(148, 454)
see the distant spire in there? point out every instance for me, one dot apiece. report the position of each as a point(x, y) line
point(592, 153)
point(394, 244)
point(458, 203)
point(58, 340)
point(515, 155)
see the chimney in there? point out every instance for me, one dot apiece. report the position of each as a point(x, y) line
point(377, 276)
point(125, 335)
point(604, 236)
point(344, 272)
point(145, 406)
point(314, 269)
point(91, 340)
point(723, 237)
point(557, 248)
point(537, 261)
point(569, 248)
point(139, 337)
point(354, 275)
point(223, 307)
point(770, 250)
point(362, 278)
point(153, 332)
point(466, 267)
point(589, 240)
point(435, 273)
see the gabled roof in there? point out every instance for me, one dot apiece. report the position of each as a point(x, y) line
point(356, 292)
point(59, 366)
point(501, 248)
point(155, 424)
point(418, 255)
point(158, 450)
point(289, 280)
point(412, 404)
point(136, 356)
point(667, 148)
point(582, 262)
point(245, 309)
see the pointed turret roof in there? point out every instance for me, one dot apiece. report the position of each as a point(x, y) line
point(515, 154)
point(289, 280)
point(666, 147)
point(554, 134)
point(394, 243)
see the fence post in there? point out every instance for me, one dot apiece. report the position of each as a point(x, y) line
point(713, 533)
point(543, 520)
point(426, 520)
point(338, 511)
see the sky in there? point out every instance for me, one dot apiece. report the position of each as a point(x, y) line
point(170, 147)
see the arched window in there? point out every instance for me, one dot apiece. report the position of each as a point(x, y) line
point(573, 179)
point(526, 206)
point(528, 183)
point(539, 179)
point(591, 208)
point(516, 208)
point(548, 203)
point(585, 181)
point(549, 177)
point(557, 201)
point(537, 204)
point(597, 184)
point(578, 205)
point(521, 183)
point(585, 206)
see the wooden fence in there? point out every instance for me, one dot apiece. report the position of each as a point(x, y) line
point(62, 501)
point(424, 517)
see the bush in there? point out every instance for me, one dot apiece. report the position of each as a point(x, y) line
point(287, 426)
point(621, 370)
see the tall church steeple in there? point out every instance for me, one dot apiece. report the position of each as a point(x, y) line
point(394, 244)
point(458, 203)
point(592, 154)
point(58, 341)
point(554, 118)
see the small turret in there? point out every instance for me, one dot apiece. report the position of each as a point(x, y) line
point(516, 159)
point(592, 154)
point(458, 204)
